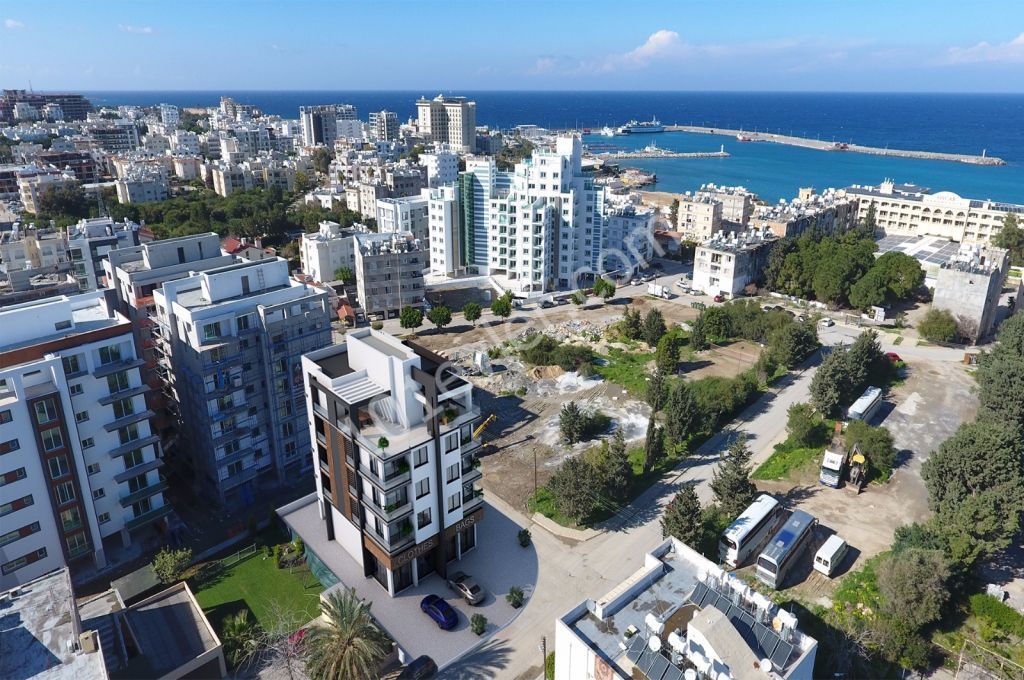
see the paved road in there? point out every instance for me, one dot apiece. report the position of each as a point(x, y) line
point(571, 572)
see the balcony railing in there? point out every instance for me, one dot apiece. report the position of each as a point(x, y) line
point(115, 366)
point(389, 480)
point(472, 500)
point(144, 492)
point(79, 551)
point(390, 512)
point(398, 537)
point(147, 517)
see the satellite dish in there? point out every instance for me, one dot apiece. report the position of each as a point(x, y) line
point(654, 643)
point(765, 665)
point(690, 674)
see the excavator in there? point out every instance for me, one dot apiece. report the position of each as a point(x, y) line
point(858, 469)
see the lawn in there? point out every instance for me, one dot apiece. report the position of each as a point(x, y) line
point(256, 583)
point(786, 460)
point(627, 369)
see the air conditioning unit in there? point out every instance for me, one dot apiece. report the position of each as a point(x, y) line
point(236, 381)
point(89, 641)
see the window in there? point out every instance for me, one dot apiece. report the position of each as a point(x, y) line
point(20, 562)
point(453, 472)
point(124, 407)
point(103, 517)
point(16, 504)
point(70, 519)
point(243, 323)
point(12, 536)
point(420, 456)
point(65, 492)
point(211, 331)
point(142, 507)
point(110, 354)
point(234, 468)
point(423, 518)
point(93, 468)
point(46, 412)
point(117, 381)
point(139, 483)
point(88, 443)
point(72, 364)
point(454, 501)
point(81, 416)
point(99, 493)
point(132, 459)
point(52, 439)
point(5, 416)
point(12, 476)
point(77, 543)
point(128, 433)
point(58, 467)
point(75, 389)
point(422, 488)
point(231, 447)
point(451, 442)
point(10, 445)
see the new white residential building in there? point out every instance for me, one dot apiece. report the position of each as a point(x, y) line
point(169, 114)
point(79, 464)
point(230, 339)
point(404, 214)
point(320, 123)
point(90, 240)
point(628, 240)
point(394, 458)
point(384, 125)
point(450, 120)
point(442, 167)
point(445, 238)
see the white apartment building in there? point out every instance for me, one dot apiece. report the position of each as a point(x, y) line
point(908, 210)
point(79, 464)
point(229, 341)
point(394, 459)
point(34, 182)
point(389, 272)
point(228, 179)
point(409, 214)
point(450, 120)
point(320, 123)
point(184, 141)
point(142, 185)
point(699, 217)
point(442, 167)
point(384, 125)
point(628, 240)
point(728, 263)
point(90, 240)
point(169, 114)
point(328, 249)
point(479, 185)
point(445, 238)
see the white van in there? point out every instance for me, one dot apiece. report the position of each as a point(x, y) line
point(830, 555)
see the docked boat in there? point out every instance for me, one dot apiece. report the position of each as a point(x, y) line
point(634, 127)
point(740, 137)
point(607, 131)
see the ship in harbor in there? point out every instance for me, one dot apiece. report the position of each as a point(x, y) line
point(633, 127)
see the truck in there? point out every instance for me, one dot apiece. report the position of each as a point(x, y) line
point(833, 464)
point(658, 290)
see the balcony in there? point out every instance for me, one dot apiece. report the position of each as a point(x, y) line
point(116, 366)
point(147, 517)
point(454, 415)
point(471, 500)
point(145, 492)
point(394, 475)
point(138, 470)
point(391, 512)
point(139, 443)
point(209, 362)
point(471, 469)
point(128, 420)
point(123, 394)
point(79, 551)
point(398, 538)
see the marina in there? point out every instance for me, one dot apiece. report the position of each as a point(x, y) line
point(654, 151)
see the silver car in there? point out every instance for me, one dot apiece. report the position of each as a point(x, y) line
point(465, 586)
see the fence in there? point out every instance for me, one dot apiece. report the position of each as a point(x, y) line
point(232, 560)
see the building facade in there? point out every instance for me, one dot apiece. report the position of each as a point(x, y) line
point(699, 217)
point(628, 240)
point(445, 240)
point(389, 272)
point(728, 263)
point(395, 457)
point(328, 249)
point(409, 214)
point(969, 288)
point(384, 125)
point(448, 120)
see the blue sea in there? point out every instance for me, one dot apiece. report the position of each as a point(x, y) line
point(954, 123)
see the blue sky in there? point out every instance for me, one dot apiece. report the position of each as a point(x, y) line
point(820, 45)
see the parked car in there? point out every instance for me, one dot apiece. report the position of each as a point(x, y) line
point(893, 357)
point(649, 277)
point(683, 283)
point(696, 291)
point(546, 304)
point(467, 587)
point(440, 611)
point(719, 298)
point(635, 281)
point(418, 669)
point(826, 322)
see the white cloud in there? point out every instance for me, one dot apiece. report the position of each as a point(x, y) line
point(128, 28)
point(13, 24)
point(1011, 51)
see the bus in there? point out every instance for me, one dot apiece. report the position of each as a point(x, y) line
point(747, 534)
point(865, 407)
point(785, 548)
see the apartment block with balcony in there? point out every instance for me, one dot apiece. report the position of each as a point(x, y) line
point(75, 437)
point(389, 272)
point(230, 339)
point(394, 457)
point(89, 243)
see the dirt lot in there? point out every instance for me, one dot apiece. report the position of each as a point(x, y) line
point(727, 361)
point(921, 413)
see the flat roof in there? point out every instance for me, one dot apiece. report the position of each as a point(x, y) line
point(929, 250)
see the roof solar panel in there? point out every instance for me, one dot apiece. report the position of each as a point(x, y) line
point(759, 630)
point(734, 614)
point(722, 604)
point(658, 668)
point(698, 594)
point(636, 648)
point(673, 673)
point(645, 661)
point(747, 619)
point(781, 654)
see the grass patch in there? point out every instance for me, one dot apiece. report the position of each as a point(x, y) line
point(627, 369)
point(861, 586)
point(544, 503)
point(898, 340)
point(785, 460)
point(257, 584)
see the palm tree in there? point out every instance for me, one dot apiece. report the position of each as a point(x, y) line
point(238, 636)
point(351, 645)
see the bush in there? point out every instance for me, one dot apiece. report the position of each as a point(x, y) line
point(376, 325)
point(1003, 617)
point(524, 537)
point(515, 597)
point(549, 667)
point(478, 624)
point(169, 565)
point(938, 325)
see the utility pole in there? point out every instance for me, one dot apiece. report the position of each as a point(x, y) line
point(544, 657)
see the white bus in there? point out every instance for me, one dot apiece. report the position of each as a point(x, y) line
point(865, 407)
point(775, 561)
point(747, 534)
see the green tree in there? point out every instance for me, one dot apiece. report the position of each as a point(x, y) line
point(780, 250)
point(350, 645)
point(792, 343)
point(1011, 237)
point(1011, 336)
point(169, 564)
point(901, 272)
point(410, 317)
point(345, 275)
point(977, 458)
point(238, 634)
point(65, 200)
point(869, 291)
point(682, 415)
point(322, 160)
point(654, 445)
point(673, 213)
point(698, 336)
point(876, 443)
point(716, 323)
point(869, 223)
point(471, 312)
point(657, 391)
point(865, 361)
point(730, 482)
point(981, 525)
point(440, 316)
point(682, 518)
point(630, 324)
point(805, 427)
point(828, 384)
point(937, 325)
point(1001, 382)
point(666, 357)
point(579, 298)
point(503, 306)
point(571, 422)
point(613, 469)
point(604, 289)
point(303, 182)
point(653, 328)
point(913, 586)
point(573, 488)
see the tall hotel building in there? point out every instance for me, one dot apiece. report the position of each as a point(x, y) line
point(228, 342)
point(448, 120)
point(395, 457)
point(79, 464)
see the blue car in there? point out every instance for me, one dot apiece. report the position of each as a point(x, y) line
point(436, 608)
